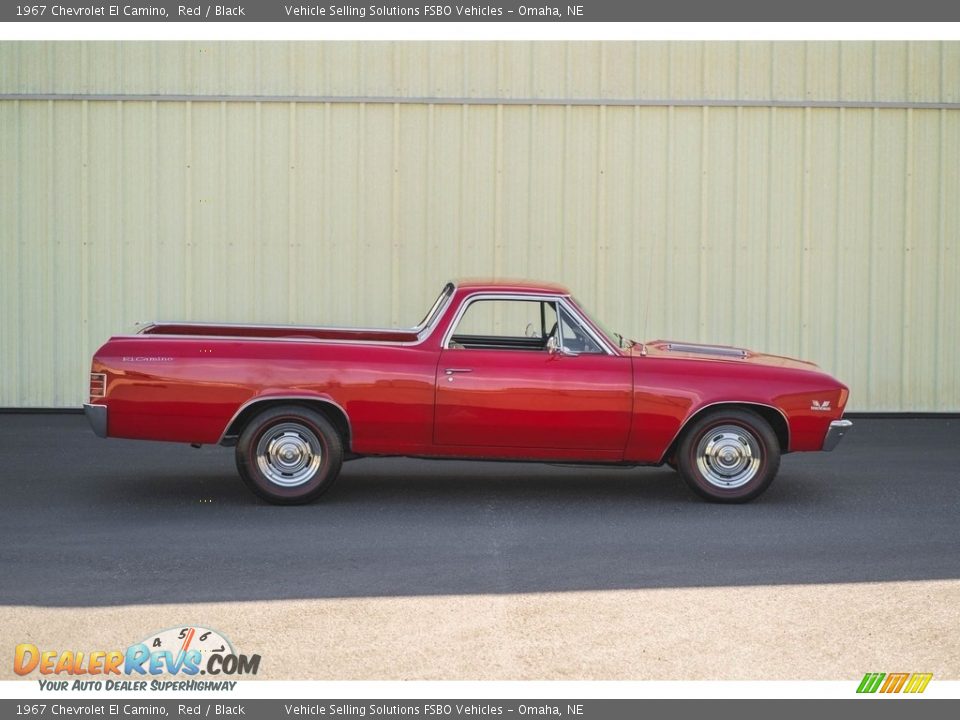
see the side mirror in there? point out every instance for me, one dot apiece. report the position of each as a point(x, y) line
point(555, 348)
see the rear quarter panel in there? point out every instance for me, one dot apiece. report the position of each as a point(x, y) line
point(188, 389)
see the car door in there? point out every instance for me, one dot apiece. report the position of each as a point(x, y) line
point(498, 383)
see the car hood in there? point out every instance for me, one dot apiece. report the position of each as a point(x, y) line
point(714, 353)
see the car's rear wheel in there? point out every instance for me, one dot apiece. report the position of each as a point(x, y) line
point(729, 456)
point(289, 455)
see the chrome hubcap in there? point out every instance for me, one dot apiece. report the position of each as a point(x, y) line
point(289, 454)
point(728, 456)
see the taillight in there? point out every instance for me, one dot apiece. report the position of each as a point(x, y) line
point(844, 394)
point(98, 385)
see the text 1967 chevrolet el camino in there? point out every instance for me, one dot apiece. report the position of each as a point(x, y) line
point(496, 371)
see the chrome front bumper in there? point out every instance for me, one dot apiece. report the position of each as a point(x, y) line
point(97, 417)
point(838, 428)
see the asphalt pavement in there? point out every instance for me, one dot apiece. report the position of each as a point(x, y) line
point(86, 522)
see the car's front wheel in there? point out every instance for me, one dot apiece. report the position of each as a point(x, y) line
point(289, 455)
point(729, 456)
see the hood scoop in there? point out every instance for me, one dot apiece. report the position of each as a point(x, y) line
point(719, 350)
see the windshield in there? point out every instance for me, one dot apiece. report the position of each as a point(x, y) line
point(613, 337)
point(431, 316)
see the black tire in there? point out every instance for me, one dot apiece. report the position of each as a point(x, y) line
point(729, 456)
point(289, 455)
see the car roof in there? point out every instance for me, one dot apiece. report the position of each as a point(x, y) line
point(510, 285)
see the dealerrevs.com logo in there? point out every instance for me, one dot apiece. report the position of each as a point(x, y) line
point(182, 651)
point(894, 682)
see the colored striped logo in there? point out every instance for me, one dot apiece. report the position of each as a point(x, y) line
point(894, 682)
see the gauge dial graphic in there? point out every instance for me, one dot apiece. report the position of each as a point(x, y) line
point(177, 640)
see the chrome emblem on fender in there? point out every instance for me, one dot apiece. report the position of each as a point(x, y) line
point(820, 406)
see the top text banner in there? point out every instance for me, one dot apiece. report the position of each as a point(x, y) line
point(496, 11)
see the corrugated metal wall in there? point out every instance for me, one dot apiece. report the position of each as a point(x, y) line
point(369, 173)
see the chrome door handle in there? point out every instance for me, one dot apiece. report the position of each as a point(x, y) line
point(451, 371)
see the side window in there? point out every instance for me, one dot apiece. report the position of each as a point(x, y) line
point(574, 337)
point(505, 325)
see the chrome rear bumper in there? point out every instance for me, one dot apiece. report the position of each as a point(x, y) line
point(97, 417)
point(838, 428)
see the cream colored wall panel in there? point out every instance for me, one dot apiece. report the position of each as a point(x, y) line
point(548, 69)
point(856, 70)
point(137, 185)
point(344, 257)
point(410, 212)
point(721, 69)
point(9, 65)
point(513, 165)
point(411, 70)
point(652, 67)
point(478, 223)
point(891, 68)
point(446, 197)
point(945, 340)
point(579, 200)
point(922, 225)
point(615, 276)
point(11, 315)
point(104, 68)
point(886, 256)
point(747, 244)
point(273, 69)
point(950, 72)
point(64, 72)
point(207, 173)
point(306, 151)
point(646, 315)
point(788, 71)
point(169, 215)
point(34, 341)
point(583, 64)
point(686, 71)
point(137, 67)
point(755, 65)
point(822, 71)
point(786, 270)
point(445, 64)
point(171, 68)
point(546, 183)
point(618, 70)
point(720, 223)
point(683, 217)
point(374, 285)
point(828, 233)
point(823, 213)
point(480, 61)
point(863, 71)
point(924, 70)
point(855, 231)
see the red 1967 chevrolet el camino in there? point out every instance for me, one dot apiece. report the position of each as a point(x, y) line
point(495, 371)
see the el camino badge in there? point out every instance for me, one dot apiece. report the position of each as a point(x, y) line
point(146, 358)
point(820, 406)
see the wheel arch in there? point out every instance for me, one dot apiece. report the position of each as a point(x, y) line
point(773, 415)
point(325, 406)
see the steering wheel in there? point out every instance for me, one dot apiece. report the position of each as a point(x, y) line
point(551, 334)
